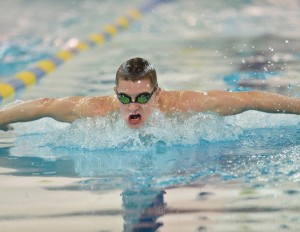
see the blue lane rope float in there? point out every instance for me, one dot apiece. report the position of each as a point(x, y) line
point(28, 77)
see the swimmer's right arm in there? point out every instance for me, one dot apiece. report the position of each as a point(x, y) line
point(59, 109)
point(64, 110)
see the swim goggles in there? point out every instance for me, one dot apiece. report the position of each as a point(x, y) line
point(142, 98)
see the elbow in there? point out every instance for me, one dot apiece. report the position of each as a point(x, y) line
point(45, 106)
point(46, 101)
point(61, 110)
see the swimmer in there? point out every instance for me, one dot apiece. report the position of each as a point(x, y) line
point(137, 95)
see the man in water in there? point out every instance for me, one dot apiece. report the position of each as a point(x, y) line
point(137, 94)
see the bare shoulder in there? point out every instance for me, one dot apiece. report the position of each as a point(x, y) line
point(95, 106)
point(192, 101)
point(80, 107)
point(182, 101)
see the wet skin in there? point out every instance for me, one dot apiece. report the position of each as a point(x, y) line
point(71, 108)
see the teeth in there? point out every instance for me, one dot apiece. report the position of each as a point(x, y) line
point(134, 116)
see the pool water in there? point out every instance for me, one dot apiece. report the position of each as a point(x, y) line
point(196, 172)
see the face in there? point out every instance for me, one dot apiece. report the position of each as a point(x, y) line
point(136, 114)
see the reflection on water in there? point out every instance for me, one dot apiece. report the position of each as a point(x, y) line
point(142, 208)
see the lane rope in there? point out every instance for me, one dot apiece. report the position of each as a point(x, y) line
point(30, 76)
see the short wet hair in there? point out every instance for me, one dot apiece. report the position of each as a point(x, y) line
point(136, 69)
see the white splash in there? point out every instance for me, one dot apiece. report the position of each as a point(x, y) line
point(112, 133)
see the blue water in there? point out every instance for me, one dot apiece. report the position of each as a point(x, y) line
point(167, 151)
point(260, 155)
point(192, 48)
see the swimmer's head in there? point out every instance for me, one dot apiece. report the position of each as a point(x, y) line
point(136, 69)
point(137, 91)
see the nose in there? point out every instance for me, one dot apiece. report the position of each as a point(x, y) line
point(133, 107)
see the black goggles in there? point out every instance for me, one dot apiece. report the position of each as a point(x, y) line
point(142, 98)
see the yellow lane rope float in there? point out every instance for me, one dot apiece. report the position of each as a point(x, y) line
point(30, 76)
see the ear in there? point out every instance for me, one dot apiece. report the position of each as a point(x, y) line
point(158, 90)
point(157, 93)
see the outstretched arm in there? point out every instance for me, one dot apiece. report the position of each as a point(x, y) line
point(63, 110)
point(230, 103)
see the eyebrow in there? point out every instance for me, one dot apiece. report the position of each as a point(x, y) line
point(153, 90)
point(133, 95)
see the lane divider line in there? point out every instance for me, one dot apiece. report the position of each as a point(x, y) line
point(30, 76)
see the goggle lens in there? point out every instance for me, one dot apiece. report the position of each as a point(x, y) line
point(142, 98)
point(124, 99)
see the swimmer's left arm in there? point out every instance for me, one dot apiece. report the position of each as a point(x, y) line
point(230, 103)
point(273, 103)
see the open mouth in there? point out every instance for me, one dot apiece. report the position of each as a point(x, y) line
point(134, 118)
